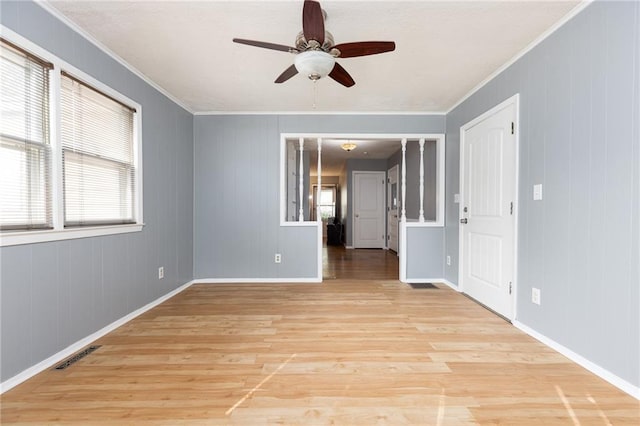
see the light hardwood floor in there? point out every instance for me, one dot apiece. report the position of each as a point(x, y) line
point(348, 351)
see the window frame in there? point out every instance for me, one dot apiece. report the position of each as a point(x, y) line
point(59, 232)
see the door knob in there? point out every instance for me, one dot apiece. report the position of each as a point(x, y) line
point(463, 220)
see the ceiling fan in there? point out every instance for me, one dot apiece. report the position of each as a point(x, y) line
point(316, 52)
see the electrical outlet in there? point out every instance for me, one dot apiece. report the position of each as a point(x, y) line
point(278, 258)
point(449, 260)
point(161, 272)
point(537, 192)
point(535, 295)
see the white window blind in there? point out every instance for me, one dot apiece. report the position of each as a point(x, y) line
point(97, 156)
point(25, 152)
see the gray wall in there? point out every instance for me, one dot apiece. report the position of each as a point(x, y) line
point(579, 124)
point(54, 294)
point(424, 253)
point(236, 216)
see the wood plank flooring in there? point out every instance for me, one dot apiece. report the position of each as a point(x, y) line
point(346, 352)
point(360, 264)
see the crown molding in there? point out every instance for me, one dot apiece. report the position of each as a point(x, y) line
point(418, 113)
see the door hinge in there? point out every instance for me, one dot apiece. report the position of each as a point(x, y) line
point(510, 287)
point(511, 208)
point(513, 128)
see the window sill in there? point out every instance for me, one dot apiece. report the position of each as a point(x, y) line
point(32, 237)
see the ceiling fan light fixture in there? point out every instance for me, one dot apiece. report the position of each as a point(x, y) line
point(349, 146)
point(315, 64)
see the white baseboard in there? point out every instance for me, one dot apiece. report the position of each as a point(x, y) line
point(450, 284)
point(255, 280)
point(616, 381)
point(349, 247)
point(73, 348)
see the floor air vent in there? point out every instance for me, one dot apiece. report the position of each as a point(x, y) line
point(422, 285)
point(77, 357)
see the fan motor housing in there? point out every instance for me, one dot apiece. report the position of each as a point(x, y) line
point(302, 44)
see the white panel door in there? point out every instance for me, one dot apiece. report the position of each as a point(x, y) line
point(488, 194)
point(392, 208)
point(368, 210)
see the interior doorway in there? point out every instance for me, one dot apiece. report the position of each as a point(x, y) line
point(309, 158)
point(358, 264)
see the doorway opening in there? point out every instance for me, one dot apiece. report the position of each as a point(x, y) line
point(347, 188)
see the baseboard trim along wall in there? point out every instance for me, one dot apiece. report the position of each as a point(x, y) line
point(73, 348)
point(255, 280)
point(616, 381)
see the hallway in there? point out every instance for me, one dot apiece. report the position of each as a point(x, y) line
point(358, 264)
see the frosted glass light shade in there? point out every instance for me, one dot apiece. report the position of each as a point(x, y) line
point(314, 64)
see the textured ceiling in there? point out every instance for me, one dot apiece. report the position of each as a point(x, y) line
point(444, 49)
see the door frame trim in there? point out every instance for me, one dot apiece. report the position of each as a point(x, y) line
point(353, 203)
point(512, 101)
point(386, 212)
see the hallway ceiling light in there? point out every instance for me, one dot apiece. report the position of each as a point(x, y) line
point(349, 146)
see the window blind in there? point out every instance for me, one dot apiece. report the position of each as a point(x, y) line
point(25, 151)
point(97, 156)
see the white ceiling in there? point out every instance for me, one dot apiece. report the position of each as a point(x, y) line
point(444, 49)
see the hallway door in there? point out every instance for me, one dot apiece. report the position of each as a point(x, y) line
point(368, 210)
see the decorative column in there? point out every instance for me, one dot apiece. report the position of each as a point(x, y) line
point(403, 215)
point(318, 216)
point(301, 182)
point(421, 217)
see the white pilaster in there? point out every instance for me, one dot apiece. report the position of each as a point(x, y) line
point(403, 212)
point(318, 216)
point(421, 217)
point(301, 182)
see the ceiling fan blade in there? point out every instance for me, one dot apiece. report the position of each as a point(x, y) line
point(313, 21)
point(266, 45)
point(341, 75)
point(287, 74)
point(364, 48)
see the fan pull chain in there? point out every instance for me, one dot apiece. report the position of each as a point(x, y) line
point(315, 93)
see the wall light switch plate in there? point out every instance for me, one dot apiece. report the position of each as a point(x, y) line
point(456, 198)
point(537, 192)
point(161, 272)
